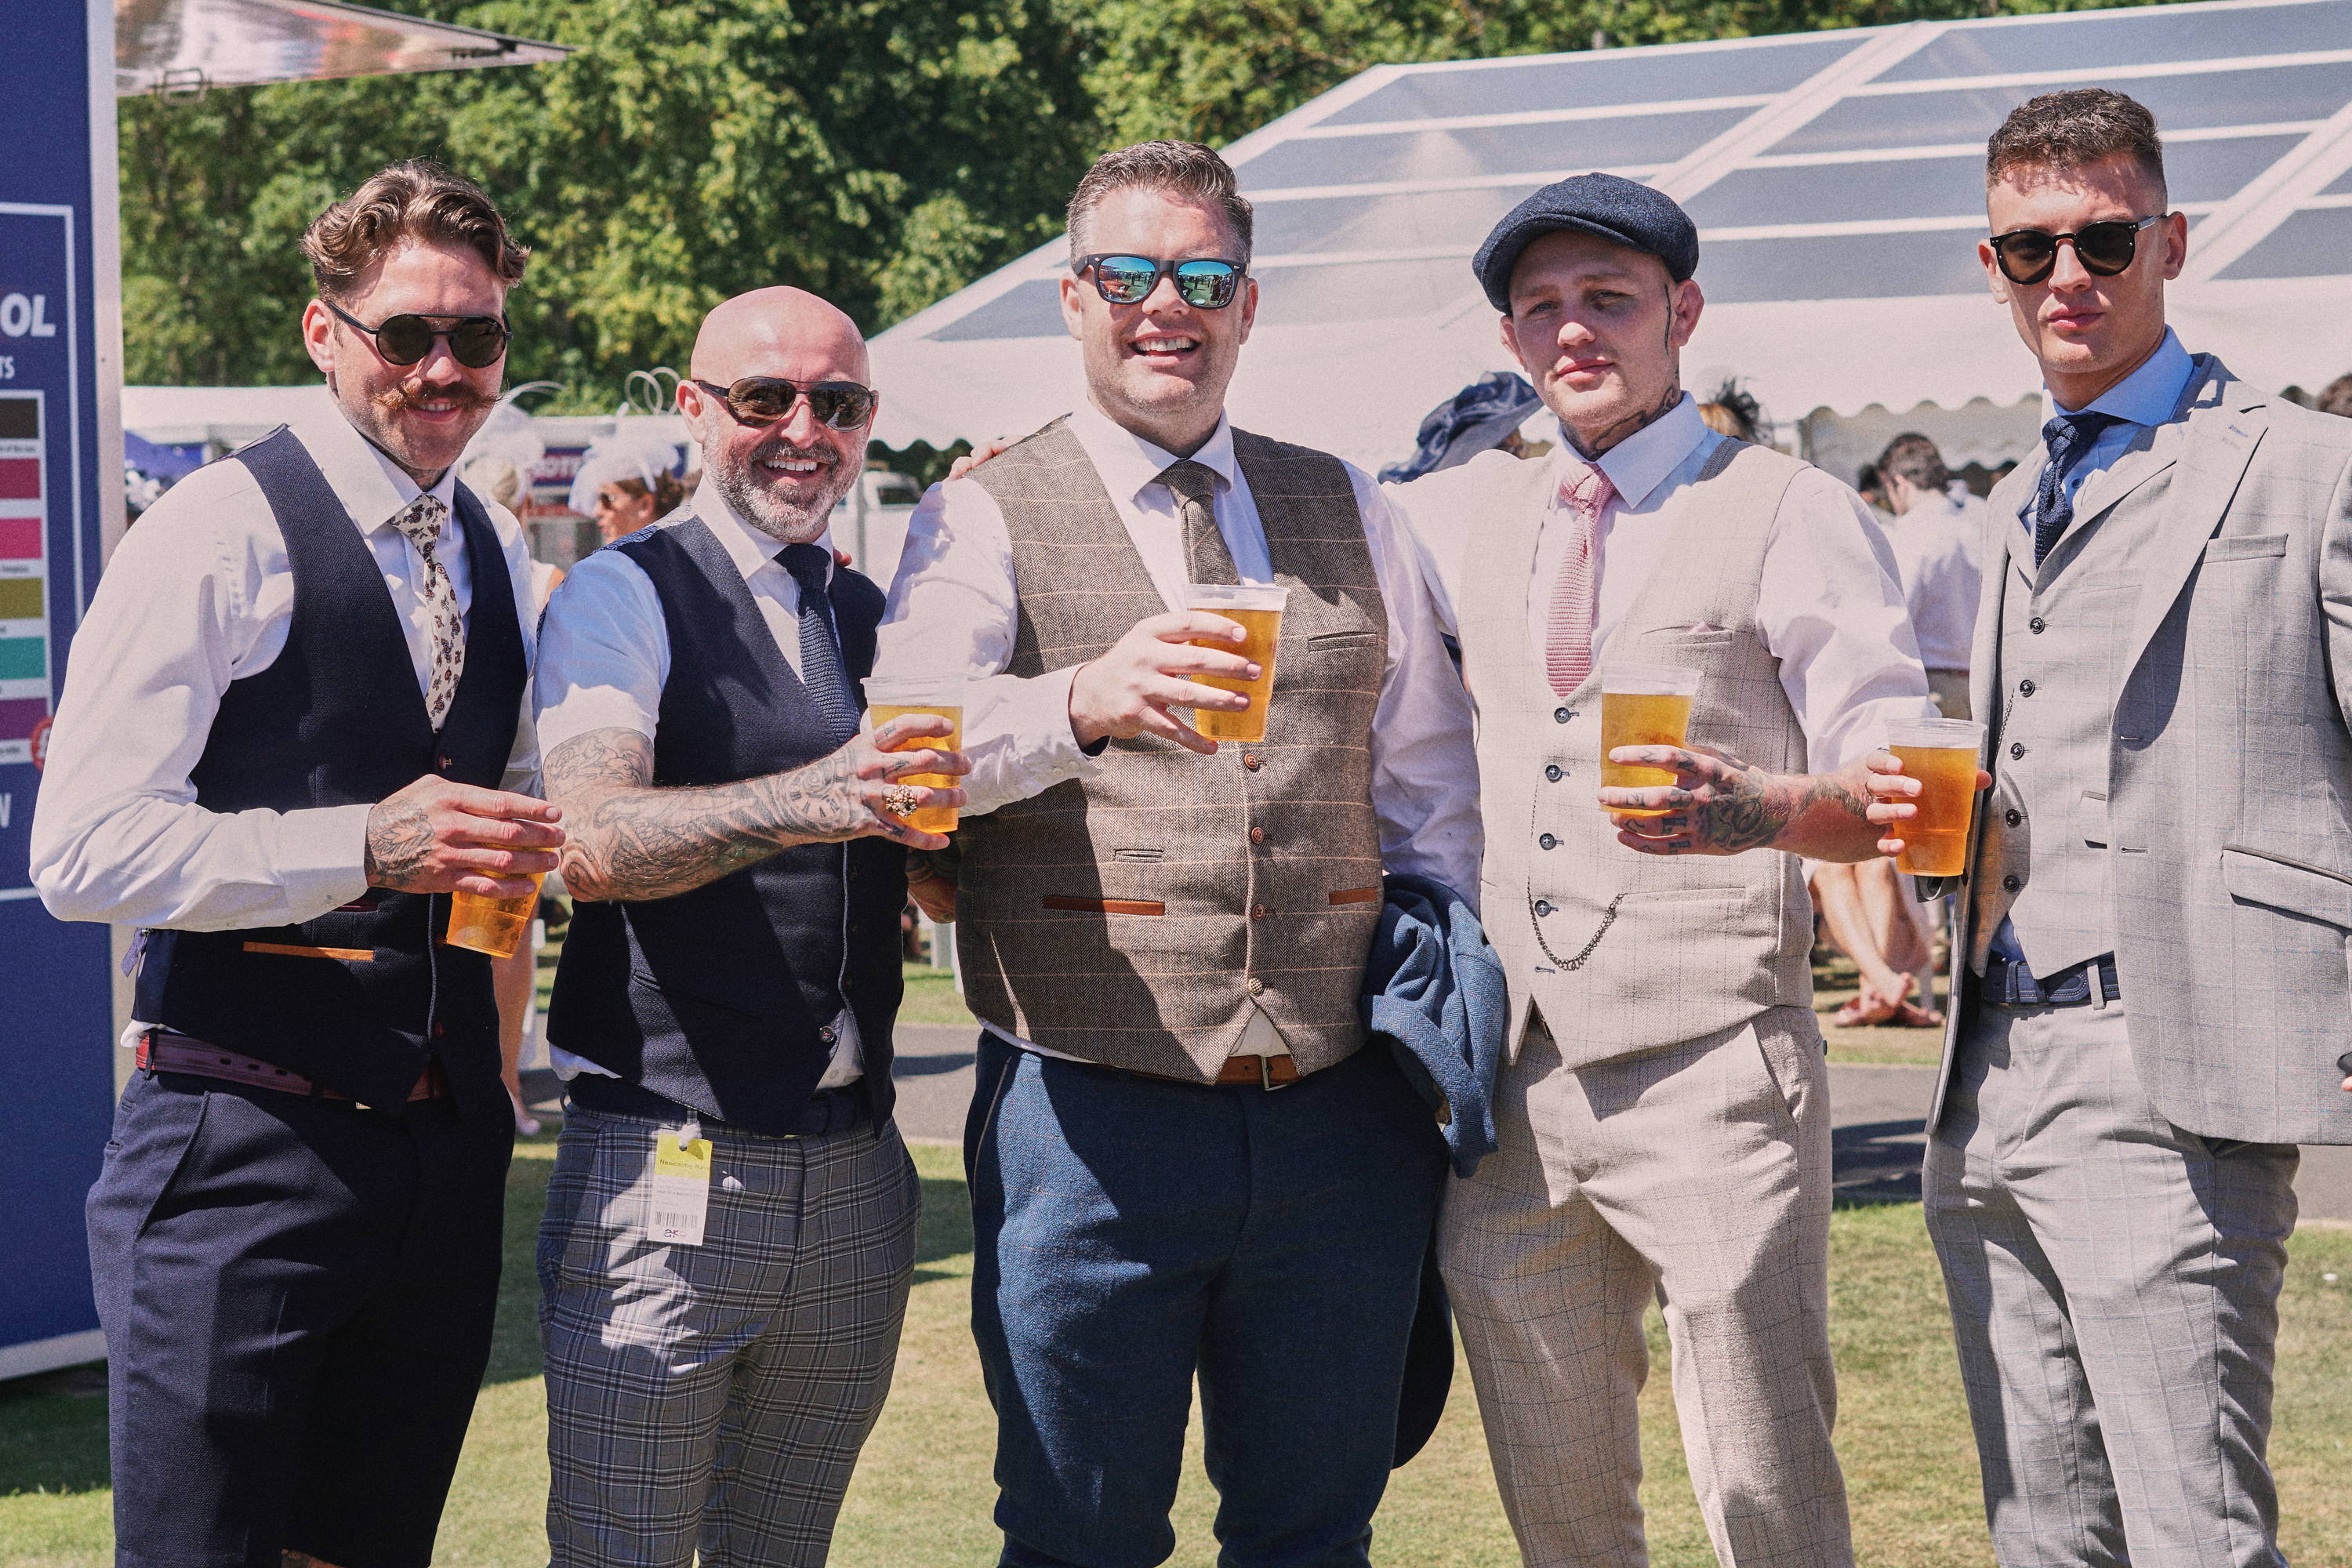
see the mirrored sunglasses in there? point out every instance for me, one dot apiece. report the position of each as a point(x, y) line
point(758, 400)
point(2029, 255)
point(475, 341)
point(1205, 283)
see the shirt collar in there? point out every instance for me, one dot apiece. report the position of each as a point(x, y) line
point(2148, 396)
point(372, 487)
point(1128, 462)
point(746, 546)
point(1639, 464)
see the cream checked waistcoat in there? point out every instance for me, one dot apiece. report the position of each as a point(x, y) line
point(1136, 918)
point(1624, 951)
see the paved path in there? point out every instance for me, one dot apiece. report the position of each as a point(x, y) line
point(1879, 1114)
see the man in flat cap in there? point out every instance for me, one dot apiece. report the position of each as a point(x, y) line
point(1663, 1118)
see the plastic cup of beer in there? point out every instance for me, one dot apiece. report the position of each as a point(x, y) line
point(942, 699)
point(1941, 753)
point(1257, 607)
point(1642, 705)
point(495, 926)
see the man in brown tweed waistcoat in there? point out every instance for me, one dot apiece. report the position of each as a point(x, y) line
point(1184, 1164)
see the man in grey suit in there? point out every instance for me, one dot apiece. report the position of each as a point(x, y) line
point(2154, 1006)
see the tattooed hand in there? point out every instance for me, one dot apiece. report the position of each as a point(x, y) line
point(436, 836)
point(1718, 805)
point(632, 841)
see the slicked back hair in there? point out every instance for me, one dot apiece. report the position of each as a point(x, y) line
point(1184, 170)
point(414, 201)
point(2073, 130)
point(1913, 457)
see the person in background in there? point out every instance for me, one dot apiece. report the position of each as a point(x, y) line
point(1734, 413)
point(2337, 397)
point(2152, 1009)
point(717, 1355)
point(1483, 417)
point(1937, 540)
point(628, 480)
point(294, 724)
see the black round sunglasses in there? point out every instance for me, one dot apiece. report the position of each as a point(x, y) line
point(2031, 254)
point(475, 341)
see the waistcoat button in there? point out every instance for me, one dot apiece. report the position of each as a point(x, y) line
point(2016, 749)
point(1549, 842)
point(2011, 884)
point(1258, 835)
point(1252, 761)
point(2037, 626)
point(1256, 986)
point(2012, 816)
point(828, 1034)
point(440, 1030)
point(1552, 773)
point(2025, 689)
point(1561, 715)
point(1257, 912)
point(1543, 906)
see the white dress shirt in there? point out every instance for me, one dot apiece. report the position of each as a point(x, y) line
point(603, 657)
point(1829, 607)
point(200, 593)
point(955, 606)
point(1936, 547)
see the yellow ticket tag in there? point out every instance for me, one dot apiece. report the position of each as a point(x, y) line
point(681, 1195)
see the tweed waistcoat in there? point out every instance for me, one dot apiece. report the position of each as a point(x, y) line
point(1136, 917)
point(1623, 952)
point(2061, 652)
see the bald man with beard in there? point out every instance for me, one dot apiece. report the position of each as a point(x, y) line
point(730, 1228)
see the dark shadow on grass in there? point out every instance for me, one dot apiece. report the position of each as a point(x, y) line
point(53, 1432)
point(946, 1228)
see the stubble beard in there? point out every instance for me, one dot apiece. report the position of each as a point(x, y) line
point(789, 522)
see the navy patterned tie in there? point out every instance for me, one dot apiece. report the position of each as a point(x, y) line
point(821, 667)
point(2068, 438)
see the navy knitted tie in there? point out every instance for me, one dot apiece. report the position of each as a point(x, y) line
point(821, 668)
point(2068, 438)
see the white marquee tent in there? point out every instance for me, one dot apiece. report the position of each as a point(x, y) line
point(1836, 178)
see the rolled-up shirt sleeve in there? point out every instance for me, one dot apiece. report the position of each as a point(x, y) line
point(953, 612)
point(1831, 610)
point(604, 653)
point(117, 833)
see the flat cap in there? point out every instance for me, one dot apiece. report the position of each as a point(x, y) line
point(1623, 211)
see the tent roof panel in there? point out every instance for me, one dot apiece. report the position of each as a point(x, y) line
point(1840, 267)
point(1830, 193)
point(1416, 222)
point(1361, 291)
point(2314, 242)
point(2107, 38)
point(1598, 77)
point(183, 43)
point(2342, 187)
point(1643, 140)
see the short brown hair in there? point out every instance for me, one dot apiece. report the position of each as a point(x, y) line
point(2337, 397)
point(667, 490)
point(1913, 457)
point(2073, 130)
point(1186, 170)
point(413, 200)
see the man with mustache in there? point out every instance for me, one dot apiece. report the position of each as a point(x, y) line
point(294, 725)
point(1186, 1162)
point(1663, 1118)
point(730, 1229)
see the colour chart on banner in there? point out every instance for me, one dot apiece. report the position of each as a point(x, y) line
point(25, 689)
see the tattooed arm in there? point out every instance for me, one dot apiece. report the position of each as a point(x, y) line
point(632, 840)
point(1718, 805)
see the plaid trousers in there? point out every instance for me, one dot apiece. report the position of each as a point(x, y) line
point(714, 1398)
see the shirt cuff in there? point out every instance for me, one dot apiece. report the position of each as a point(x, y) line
point(1037, 712)
point(321, 858)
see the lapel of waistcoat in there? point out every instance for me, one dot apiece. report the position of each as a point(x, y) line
point(748, 627)
point(1506, 532)
point(2223, 424)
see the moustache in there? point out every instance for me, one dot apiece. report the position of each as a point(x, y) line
point(409, 394)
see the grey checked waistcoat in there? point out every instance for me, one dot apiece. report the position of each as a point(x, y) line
point(1623, 952)
point(1134, 919)
point(2061, 648)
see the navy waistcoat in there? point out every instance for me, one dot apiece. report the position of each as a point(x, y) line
point(723, 998)
point(337, 720)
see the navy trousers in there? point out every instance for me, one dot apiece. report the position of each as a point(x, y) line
point(1132, 1233)
point(298, 1298)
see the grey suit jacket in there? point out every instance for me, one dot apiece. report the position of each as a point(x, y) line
point(2229, 766)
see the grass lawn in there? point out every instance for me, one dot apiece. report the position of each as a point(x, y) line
point(922, 1494)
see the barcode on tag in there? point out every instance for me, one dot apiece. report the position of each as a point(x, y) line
point(681, 1190)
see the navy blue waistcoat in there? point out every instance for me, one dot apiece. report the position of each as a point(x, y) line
point(337, 720)
point(723, 998)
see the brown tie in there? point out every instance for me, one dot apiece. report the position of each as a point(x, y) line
point(1207, 556)
point(421, 521)
point(1584, 491)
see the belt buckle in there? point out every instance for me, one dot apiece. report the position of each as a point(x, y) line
point(1266, 1075)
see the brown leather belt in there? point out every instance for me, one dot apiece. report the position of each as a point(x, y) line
point(161, 1051)
point(1268, 1073)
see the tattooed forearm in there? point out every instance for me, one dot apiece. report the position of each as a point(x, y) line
point(1724, 807)
point(632, 840)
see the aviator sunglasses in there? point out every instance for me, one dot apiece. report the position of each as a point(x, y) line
point(2029, 255)
point(1205, 283)
point(475, 341)
point(758, 400)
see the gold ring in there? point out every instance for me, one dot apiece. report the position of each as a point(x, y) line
point(898, 800)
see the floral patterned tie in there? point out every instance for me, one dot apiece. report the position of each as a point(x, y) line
point(421, 521)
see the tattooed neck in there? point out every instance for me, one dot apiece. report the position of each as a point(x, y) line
point(1613, 435)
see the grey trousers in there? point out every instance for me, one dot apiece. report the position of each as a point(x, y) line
point(1700, 1175)
point(715, 1397)
point(2114, 1283)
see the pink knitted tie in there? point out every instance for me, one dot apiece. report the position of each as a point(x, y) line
point(1567, 636)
